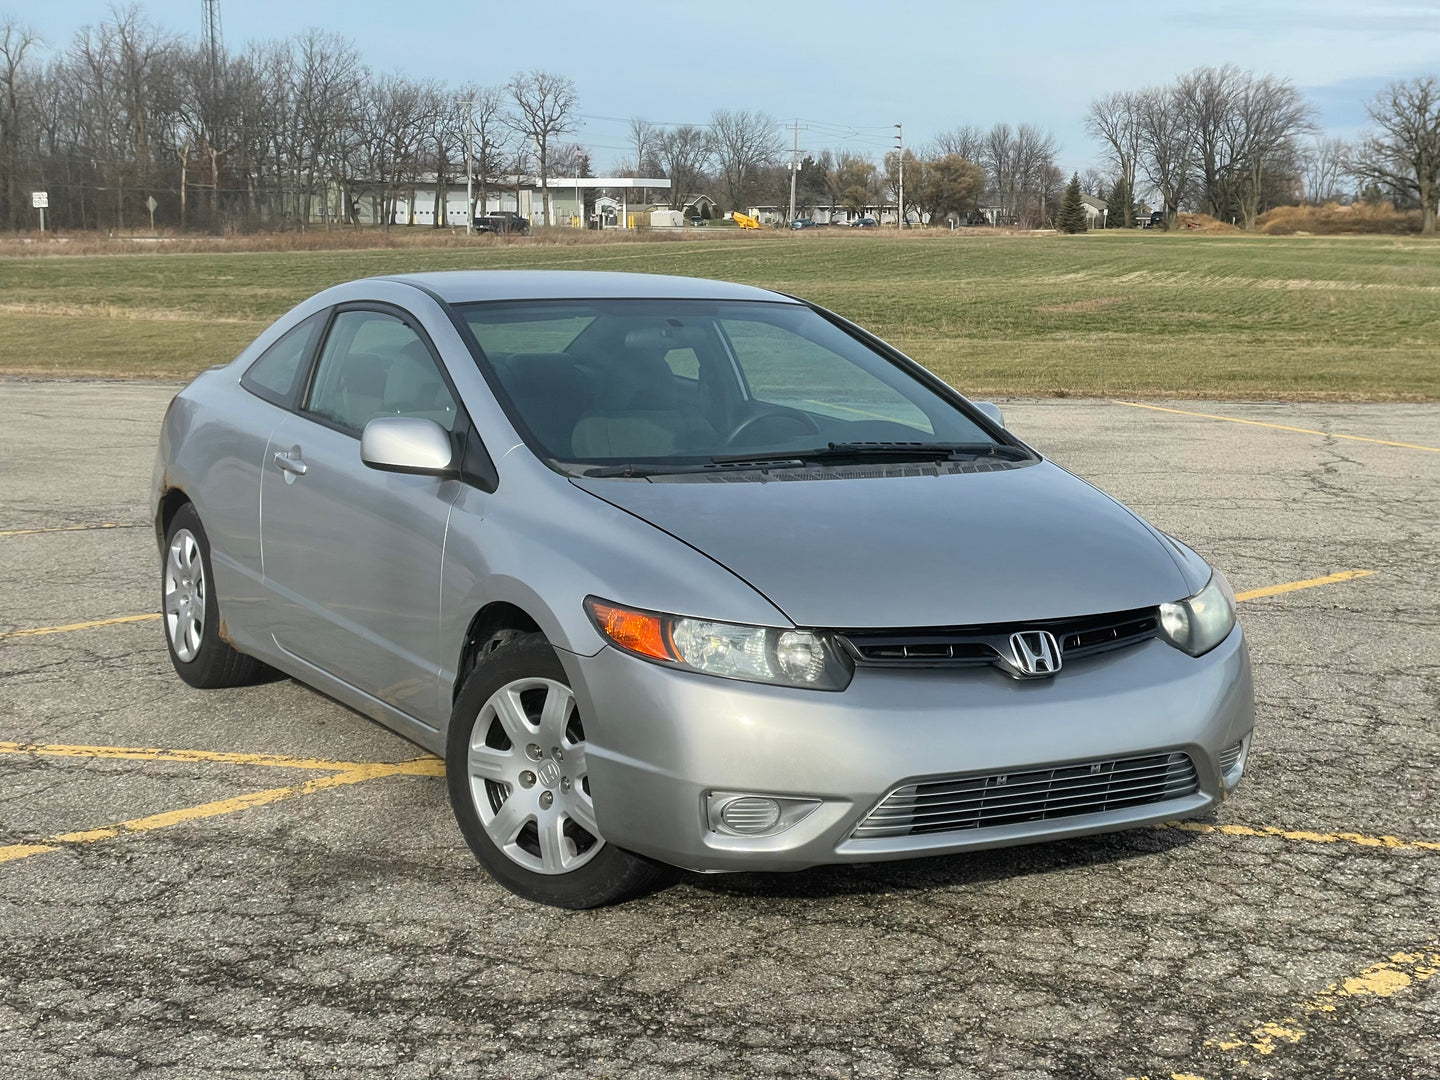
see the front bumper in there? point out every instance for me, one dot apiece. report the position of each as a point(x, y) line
point(659, 740)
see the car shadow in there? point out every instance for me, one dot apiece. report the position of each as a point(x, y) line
point(946, 871)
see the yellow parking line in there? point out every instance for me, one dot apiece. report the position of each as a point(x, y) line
point(41, 631)
point(1385, 979)
point(423, 766)
point(1304, 836)
point(1277, 427)
point(150, 753)
point(1308, 583)
point(66, 528)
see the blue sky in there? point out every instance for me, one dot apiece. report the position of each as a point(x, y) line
point(847, 69)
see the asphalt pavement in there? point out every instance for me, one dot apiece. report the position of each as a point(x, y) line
point(260, 883)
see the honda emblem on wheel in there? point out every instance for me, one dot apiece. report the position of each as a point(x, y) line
point(1035, 652)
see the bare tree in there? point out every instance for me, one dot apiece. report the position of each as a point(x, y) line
point(545, 107)
point(1166, 145)
point(683, 154)
point(644, 145)
point(1112, 120)
point(744, 142)
point(966, 141)
point(1403, 152)
point(488, 130)
point(1325, 168)
point(16, 105)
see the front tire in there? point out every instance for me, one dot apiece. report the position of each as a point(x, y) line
point(191, 613)
point(520, 788)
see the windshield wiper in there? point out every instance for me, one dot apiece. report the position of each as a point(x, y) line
point(860, 451)
point(641, 470)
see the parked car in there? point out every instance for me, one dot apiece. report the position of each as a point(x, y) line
point(503, 221)
point(674, 571)
point(802, 223)
point(864, 223)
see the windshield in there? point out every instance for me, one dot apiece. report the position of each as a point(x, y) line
point(680, 382)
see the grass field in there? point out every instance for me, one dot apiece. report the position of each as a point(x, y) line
point(1303, 318)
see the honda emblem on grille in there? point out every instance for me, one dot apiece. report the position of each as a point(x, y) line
point(1035, 652)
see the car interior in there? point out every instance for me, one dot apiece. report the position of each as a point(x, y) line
point(647, 387)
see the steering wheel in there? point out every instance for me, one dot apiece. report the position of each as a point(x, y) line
point(780, 415)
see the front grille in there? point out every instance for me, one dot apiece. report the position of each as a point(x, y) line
point(955, 803)
point(974, 646)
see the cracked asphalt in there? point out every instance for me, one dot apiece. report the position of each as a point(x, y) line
point(348, 933)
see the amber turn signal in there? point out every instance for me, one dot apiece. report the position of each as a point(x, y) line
point(637, 631)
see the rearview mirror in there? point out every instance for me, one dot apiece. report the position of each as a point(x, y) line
point(991, 410)
point(406, 444)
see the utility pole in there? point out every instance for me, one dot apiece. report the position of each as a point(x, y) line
point(469, 169)
point(794, 168)
point(900, 142)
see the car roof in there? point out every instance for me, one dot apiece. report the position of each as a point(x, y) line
point(468, 286)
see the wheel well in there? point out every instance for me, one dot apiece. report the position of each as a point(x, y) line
point(170, 504)
point(492, 626)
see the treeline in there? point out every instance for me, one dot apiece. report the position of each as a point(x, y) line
point(298, 131)
point(1233, 144)
point(284, 133)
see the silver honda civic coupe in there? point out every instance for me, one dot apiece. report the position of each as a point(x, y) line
point(679, 572)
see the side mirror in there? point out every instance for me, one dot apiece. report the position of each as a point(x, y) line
point(991, 410)
point(406, 444)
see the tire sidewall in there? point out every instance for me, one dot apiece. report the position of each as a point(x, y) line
point(610, 876)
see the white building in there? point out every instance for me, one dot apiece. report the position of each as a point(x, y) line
point(569, 196)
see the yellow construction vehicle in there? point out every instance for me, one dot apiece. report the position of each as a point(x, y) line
point(745, 221)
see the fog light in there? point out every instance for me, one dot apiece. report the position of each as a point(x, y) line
point(753, 815)
point(734, 813)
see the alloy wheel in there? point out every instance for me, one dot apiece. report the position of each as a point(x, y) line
point(184, 595)
point(528, 777)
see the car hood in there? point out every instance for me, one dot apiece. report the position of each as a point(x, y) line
point(907, 551)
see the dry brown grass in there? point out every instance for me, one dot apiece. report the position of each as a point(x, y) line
point(1203, 223)
point(1333, 219)
point(366, 239)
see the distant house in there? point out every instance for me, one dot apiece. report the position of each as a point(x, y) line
point(700, 206)
point(1095, 210)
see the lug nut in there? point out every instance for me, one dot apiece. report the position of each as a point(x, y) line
point(545, 800)
point(565, 783)
point(527, 779)
point(557, 753)
point(533, 752)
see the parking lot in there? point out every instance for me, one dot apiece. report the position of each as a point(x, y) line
point(262, 883)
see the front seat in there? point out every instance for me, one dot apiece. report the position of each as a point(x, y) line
point(640, 414)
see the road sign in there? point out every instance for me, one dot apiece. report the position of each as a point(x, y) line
point(151, 204)
point(39, 200)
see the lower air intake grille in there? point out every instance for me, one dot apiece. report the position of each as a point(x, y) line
point(1229, 756)
point(978, 802)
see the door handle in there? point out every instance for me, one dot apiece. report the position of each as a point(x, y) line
point(291, 465)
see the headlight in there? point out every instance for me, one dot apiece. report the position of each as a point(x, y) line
point(1198, 624)
point(765, 654)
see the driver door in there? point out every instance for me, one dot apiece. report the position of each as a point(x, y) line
point(351, 555)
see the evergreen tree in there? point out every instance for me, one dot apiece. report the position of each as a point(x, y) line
point(1121, 203)
point(1071, 218)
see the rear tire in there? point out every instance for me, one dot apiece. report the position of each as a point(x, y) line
point(520, 788)
point(190, 611)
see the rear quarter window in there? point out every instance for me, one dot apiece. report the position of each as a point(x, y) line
point(274, 374)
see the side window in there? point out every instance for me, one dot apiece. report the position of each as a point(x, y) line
point(684, 363)
point(784, 368)
point(372, 365)
point(272, 376)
